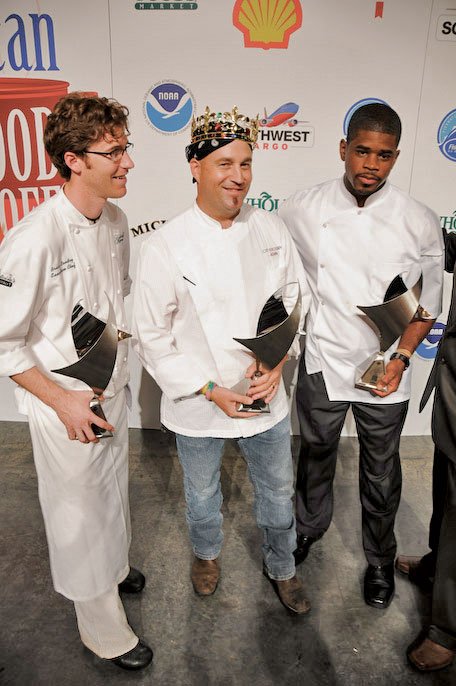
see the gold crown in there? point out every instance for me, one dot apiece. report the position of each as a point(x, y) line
point(224, 125)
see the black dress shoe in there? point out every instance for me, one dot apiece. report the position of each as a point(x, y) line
point(379, 585)
point(133, 583)
point(302, 550)
point(137, 658)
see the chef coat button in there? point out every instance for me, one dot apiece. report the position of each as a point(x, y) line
point(123, 324)
point(89, 267)
point(113, 254)
point(359, 212)
point(325, 225)
point(119, 291)
point(322, 266)
point(125, 359)
point(77, 230)
point(322, 302)
point(95, 306)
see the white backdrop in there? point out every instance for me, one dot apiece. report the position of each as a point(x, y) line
point(335, 55)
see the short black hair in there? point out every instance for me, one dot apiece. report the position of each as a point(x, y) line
point(375, 117)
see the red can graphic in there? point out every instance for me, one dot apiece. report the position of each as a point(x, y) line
point(27, 176)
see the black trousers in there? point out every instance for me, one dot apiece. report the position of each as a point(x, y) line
point(379, 429)
point(442, 540)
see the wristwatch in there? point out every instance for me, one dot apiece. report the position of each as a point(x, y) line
point(403, 358)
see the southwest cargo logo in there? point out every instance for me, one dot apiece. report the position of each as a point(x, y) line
point(356, 106)
point(169, 107)
point(427, 349)
point(267, 23)
point(281, 129)
point(446, 136)
point(166, 5)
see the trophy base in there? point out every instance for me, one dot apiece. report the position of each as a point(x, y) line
point(257, 407)
point(370, 378)
point(96, 408)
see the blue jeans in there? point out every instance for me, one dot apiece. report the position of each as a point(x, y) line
point(269, 461)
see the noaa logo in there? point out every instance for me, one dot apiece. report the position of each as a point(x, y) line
point(169, 107)
point(446, 136)
point(356, 106)
point(427, 349)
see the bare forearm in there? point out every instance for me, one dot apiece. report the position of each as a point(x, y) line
point(40, 385)
point(414, 334)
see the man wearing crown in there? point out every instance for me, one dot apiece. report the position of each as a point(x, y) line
point(216, 264)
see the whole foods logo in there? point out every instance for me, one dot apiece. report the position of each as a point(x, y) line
point(166, 5)
point(356, 106)
point(427, 349)
point(267, 23)
point(448, 222)
point(282, 130)
point(169, 107)
point(446, 136)
point(265, 201)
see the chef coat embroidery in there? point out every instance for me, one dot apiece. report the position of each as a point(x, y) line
point(6, 280)
point(63, 266)
point(273, 251)
point(118, 238)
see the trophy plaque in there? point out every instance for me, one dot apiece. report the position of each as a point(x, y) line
point(96, 347)
point(276, 329)
point(389, 321)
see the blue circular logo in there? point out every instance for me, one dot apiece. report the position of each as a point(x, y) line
point(356, 106)
point(446, 136)
point(169, 107)
point(427, 349)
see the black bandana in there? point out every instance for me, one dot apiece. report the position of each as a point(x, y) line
point(204, 148)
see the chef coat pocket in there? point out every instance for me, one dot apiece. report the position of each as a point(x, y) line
point(383, 276)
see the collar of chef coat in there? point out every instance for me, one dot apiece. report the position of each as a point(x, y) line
point(74, 216)
point(371, 200)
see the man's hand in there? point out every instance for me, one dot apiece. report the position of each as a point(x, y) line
point(72, 408)
point(266, 385)
point(228, 401)
point(389, 383)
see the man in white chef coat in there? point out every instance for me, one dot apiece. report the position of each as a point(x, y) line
point(216, 265)
point(73, 249)
point(355, 235)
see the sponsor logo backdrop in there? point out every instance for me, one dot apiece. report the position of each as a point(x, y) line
point(302, 65)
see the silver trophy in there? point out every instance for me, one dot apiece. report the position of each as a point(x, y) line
point(389, 321)
point(276, 329)
point(96, 347)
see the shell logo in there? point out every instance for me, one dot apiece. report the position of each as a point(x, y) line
point(267, 23)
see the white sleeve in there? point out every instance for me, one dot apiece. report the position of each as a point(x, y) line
point(432, 264)
point(155, 308)
point(22, 282)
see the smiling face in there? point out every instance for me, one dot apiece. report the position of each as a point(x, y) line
point(369, 157)
point(223, 178)
point(102, 177)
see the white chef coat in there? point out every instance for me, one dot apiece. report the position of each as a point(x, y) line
point(197, 287)
point(350, 255)
point(53, 259)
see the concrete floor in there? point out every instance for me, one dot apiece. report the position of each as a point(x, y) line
point(240, 636)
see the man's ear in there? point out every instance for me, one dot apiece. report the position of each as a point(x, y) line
point(342, 149)
point(195, 167)
point(73, 162)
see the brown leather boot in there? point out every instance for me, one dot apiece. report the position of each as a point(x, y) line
point(290, 593)
point(430, 656)
point(205, 576)
point(417, 571)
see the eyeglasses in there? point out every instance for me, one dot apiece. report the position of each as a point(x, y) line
point(114, 155)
